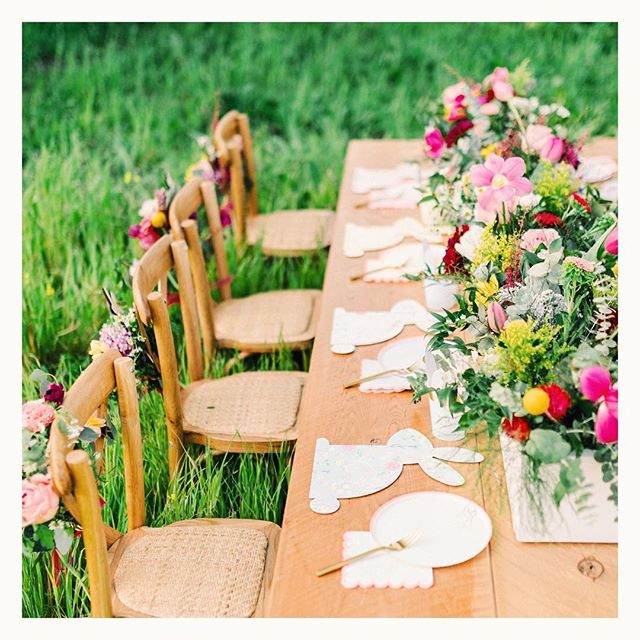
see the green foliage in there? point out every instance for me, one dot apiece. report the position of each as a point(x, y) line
point(547, 446)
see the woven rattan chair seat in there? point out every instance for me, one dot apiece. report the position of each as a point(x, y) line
point(256, 404)
point(190, 569)
point(267, 320)
point(291, 232)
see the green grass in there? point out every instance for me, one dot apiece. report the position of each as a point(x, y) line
point(101, 100)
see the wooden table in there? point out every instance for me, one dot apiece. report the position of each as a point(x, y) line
point(506, 579)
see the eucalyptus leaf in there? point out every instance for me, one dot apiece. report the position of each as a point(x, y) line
point(547, 446)
point(88, 435)
point(63, 540)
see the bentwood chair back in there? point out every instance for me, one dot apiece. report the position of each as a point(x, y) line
point(192, 568)
point(281, 233)
point(254, 411)
point(234, 146)
point(259, 323)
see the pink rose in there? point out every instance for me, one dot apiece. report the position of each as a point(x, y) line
point(39, 501)
point(611, 243)
point(537, 136)
point(533, 238)
point(496, 317)
point(490, 108)
point(435, 142)
point(552, 149)
point(37, 415)
point(499, 81)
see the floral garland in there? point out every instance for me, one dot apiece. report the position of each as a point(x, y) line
point(46, 525)
point(534, 251)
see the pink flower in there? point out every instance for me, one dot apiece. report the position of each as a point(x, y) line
point(147, 234)
point(37, 415)
point(496, 317)
point(607, 419)
point(490, 108)
point(503, 179)
point(451, 93)
point(611, 243)
point(552, 150)
point(595, 384)
point(149, 208)
point(533, 238)
point(537, 136)
point(581, 263)
point(435, 142)
point(499, 81)
point(39, 501)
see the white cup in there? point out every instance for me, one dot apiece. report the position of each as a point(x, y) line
point(439, 294)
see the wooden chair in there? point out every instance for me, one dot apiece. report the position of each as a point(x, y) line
point(282, 233)
point(208, 567)
point(259, 323)
point(245, 412)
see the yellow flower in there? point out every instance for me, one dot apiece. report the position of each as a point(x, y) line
point(96, 424)
point(159, 219)
point(488, 150)
point(486, 290)
point(97, 348)
point(615, 270)
point(49, 291)
point(27, 277)
point(536, 401)
point(127, 177)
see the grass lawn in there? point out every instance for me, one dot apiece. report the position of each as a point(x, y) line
point(103, 100)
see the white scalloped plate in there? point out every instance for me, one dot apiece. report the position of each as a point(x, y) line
point(453, 529)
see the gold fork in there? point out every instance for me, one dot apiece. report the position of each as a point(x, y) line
point(398, 545)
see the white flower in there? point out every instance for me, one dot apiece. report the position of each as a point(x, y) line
point(563, 112)
point(469, 242)
point(529, 201)
point(133, 267)
point(149, 208)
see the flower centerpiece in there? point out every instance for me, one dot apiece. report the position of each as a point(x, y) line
point(531, 350)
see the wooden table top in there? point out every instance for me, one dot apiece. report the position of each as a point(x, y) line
point(508, 578)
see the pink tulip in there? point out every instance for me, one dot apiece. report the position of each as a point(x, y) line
point(39, 501)
point(595, 383)
point(611, 243)
point(552, 149)
point(496, 317)
point(537, 135)
point(503, 178)
point(607, 419)
point(435, 143)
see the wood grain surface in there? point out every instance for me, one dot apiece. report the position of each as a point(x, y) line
point(506, 579)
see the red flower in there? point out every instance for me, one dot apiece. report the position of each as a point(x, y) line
point(559, 401)
point(452, 260)
point(54, 393)
point(516, 428)
point(570, 155)
point(546, 219)
point(581, 201)
point(458, 130)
